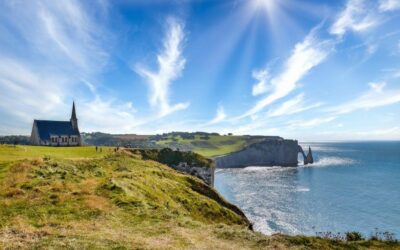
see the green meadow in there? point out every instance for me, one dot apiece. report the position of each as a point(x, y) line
point(215, 145)
point(77, 198)
point(19, 152)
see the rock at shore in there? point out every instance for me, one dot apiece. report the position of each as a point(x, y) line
point(309, 158)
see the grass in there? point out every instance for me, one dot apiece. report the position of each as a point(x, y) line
point(19, 152)
point(170, 157)
point(121, 201)
point(214, 146)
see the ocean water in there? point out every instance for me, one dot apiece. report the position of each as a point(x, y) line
point(353, 186)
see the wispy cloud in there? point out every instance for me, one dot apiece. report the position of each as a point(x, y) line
point(310, 123)
point(377, 96)
point(389, 5)
point(262, 77)
point(293, 106)
point(305, 56)
point(107, 116)
point(356, 16)
point(219, 116)
point(170, 66)
point(29, 91)
point(57, 47)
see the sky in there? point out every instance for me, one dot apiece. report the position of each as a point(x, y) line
point(308, 69)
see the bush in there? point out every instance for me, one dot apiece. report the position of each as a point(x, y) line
point(354, 236)
point(172, 158)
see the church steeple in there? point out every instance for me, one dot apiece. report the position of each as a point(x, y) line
point(74, 120)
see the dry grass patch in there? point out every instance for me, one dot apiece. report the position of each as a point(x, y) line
point(97, 202)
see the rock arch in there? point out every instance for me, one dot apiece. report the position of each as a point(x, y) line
point(308, 159)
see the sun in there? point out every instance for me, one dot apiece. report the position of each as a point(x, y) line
point(267, 5)
point(267, 8)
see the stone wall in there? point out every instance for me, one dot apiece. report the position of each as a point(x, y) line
point(202, 172)
point(270, 152)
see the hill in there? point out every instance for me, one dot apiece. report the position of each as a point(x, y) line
point(75, 198)
point(206, 144)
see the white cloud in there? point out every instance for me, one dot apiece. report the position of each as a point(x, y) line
point(65, 33)
point(219, 117)
point(27, 93)
point(57, 46)
point(262, 76)
point(311, 123)
point(356, 16)
point(377, 86)
point(305, 56)
point(389, 5)
point(170, 66)
point(371, 49)
point(106, 116)
point(377, 96)
point(293, 106)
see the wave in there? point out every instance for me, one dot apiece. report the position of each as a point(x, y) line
point(302, 189)
point(266, 168)
point(332, 161)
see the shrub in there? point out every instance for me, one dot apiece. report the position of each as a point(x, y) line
point(354, 236)
point(172, 158)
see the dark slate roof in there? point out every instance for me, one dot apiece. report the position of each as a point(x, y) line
point(47, 128)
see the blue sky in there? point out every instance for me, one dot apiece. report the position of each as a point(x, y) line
point(309, 70)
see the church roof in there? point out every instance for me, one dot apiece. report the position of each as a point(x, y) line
point(47, 128)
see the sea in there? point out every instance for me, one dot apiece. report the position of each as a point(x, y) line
point(352, 186)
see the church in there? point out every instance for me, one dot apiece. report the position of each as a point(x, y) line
point(56, 133)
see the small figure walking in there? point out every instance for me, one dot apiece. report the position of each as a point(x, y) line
point(96, 148)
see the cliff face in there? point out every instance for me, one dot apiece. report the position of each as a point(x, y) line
point(270, 152)
point(204, 173)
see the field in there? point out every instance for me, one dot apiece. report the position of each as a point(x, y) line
point(19, 152)
point(214, 145)
point(75, 198)
point(206, 144)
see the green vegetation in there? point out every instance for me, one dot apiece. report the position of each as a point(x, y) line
point(210, 145)
point(19, 152)
point(354, 236)
point(206, 144)
point(104, 139)
point(15, 139)
point(170, 157)
point(75, 198)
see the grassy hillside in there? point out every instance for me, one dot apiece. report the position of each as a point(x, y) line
point(19, 152)
point(76, 199)
point(209, 145)
point(206, 144)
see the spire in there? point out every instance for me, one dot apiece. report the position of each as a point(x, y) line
point(74, 120)
point(73, 115)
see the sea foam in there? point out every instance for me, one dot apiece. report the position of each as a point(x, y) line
point(332, 161)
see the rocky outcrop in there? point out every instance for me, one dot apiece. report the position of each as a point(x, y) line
point(269, 152)
point(309, 158)
point(202, 172)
